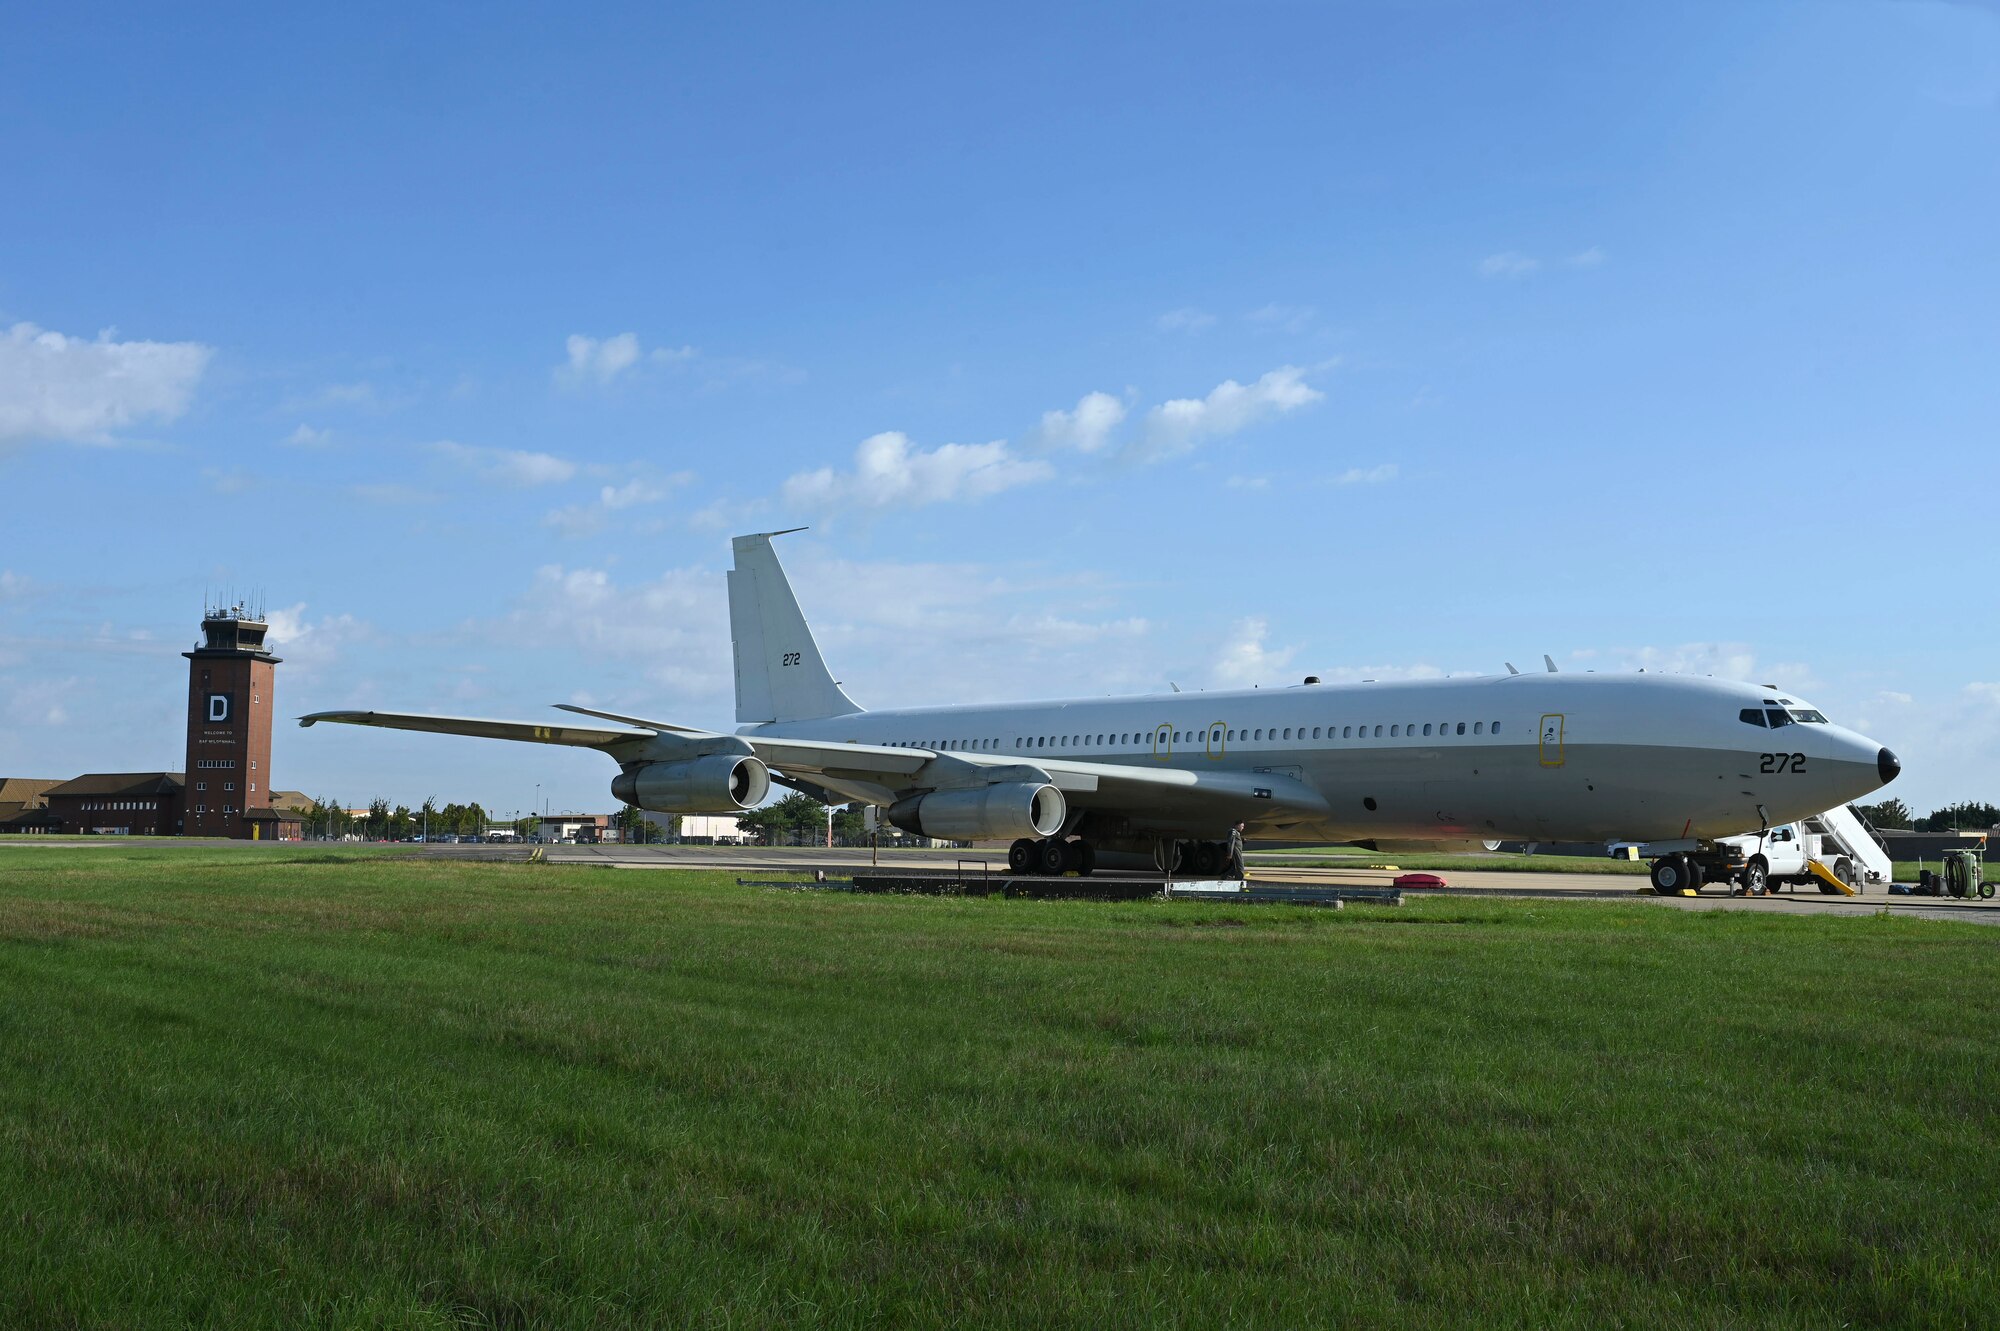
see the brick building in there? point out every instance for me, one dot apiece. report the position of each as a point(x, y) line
point(117, 804)
point(23, 804)
point(231, 700)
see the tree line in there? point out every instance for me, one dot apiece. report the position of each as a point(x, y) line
point(800, 820)
point(1896, 815)
point(325, 817)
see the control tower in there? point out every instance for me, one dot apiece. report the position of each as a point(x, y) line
point(230, 705)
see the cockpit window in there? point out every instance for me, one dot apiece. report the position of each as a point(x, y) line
point(1750, 716)
point(1807, 715)
point(1779, 717)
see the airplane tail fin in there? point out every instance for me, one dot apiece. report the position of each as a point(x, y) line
point(779, 673)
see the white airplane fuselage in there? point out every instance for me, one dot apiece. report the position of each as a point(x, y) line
point(1539, 757)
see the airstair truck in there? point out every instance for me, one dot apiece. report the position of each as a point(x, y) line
point(1835, 851)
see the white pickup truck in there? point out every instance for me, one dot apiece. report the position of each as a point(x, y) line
point(1774, 858)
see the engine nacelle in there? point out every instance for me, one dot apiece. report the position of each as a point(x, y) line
point(719, 783)
point(986, 813)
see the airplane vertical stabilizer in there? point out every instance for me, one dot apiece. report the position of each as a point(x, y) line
point(780, 675)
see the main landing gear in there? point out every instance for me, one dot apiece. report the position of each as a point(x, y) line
point(1051, 857)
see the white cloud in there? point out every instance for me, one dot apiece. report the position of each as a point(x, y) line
point(12, 584)
point(1724, 660)
point(307, 437)
point(1589, 258)
point(726, 514)
point(38, 702)
point(638, 490)
point(675, 627)
point(1184, 320)
point(1245, 659)
point(926, 633)
point(1284, 318)
point(576, 520)
point(1366, 475)
point(507, 466)
point(1175, 427)
point(591, 518)
point(889, 470)
point(57, 387)
point(1508, 263)
point(600, 360)
point(312, 647)
point(597, 359)
point(228, 482)
point(390, 492)
point(1086, 428)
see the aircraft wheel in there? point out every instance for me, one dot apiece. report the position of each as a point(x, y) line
point(1021, 856)
point(1052, 857)
point(1086, 858)
point(1207, 859)
point(1756, 877)
point(1670, 876)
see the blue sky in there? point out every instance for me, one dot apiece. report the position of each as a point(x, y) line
point(1206, 344)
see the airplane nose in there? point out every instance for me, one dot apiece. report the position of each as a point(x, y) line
point(1887, 766)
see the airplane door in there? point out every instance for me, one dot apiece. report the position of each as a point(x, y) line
point(1552, 739)
point(1216, 735)
point(1163, 743)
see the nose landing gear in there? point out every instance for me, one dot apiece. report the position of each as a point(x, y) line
point(1674, 875)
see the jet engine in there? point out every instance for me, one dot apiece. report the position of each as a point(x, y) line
point(988, 813)
point(719, 783)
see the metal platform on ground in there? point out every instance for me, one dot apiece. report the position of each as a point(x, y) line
point(1095, 887)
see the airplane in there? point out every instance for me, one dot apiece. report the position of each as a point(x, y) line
point(1158, 781)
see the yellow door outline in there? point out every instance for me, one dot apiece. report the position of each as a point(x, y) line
point(1163, 743)
point(1552, 739)
point(1217, 740)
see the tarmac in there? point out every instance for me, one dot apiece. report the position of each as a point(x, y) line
point(803, 861)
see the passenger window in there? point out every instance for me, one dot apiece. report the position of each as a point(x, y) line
point(1427, 727)
point(1478, 727)
point(1378, 732)
point(1751, 716)
point(1496, 729)
point(1394, 731)
point(1347, 732)
point(1315, 732)
point(1461, 727)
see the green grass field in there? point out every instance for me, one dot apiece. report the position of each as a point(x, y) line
point(307, 1088)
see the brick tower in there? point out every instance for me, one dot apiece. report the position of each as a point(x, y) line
point(230, 701)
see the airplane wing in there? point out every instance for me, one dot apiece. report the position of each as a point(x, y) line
point(879, 774)
point(580, 736)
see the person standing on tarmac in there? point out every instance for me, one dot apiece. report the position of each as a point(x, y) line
point(1236, 850)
